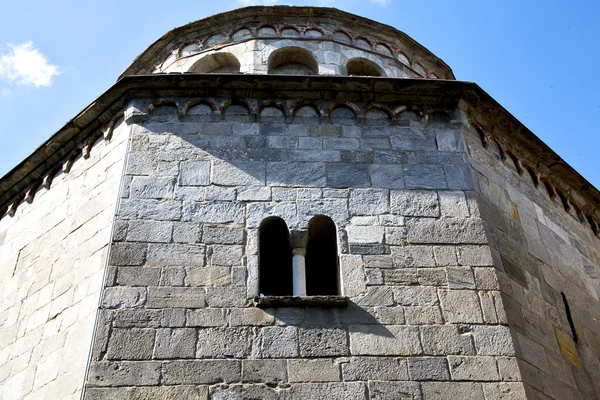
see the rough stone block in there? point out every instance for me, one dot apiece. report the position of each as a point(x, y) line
point(428, 369)
point(451, 390)
point(369, 202)
point(296, 174)
point(326, 131)
point(493, 340)
point(124, 373)
point(375, 368)
point(461, 306)
point(504, 390)
point(222, 235)
point(175, 255)
point(416, 203)
point(249, 317)
point(280, 342)
point(259, 193)
point(257, 212)
point(486, 278)
point(378, 261)
point(206, 317)
point(175, 297)
point(352, 275)
point(215, 213)
point(152, 188)
point(316, 370)
point(376, 296)
point(508, 367)
point(238, 173)
point(264, 371)
point(138, 276)
point(219, 193)
point(130, 344)
point(401, 277)
point(225, 296)
point(348, 175)
point(395, 236)
point(424, 177)
point(224, 343)
point(128, 254)
point(459, 177)
point(226, 255)
point(427, 315)
point(387, 176)
point(329, 391)
point(444, 340)
point(123, 297)
point(194, 173)
point(446, 230)
point(175, 343)
point(416, 295)
point(336, 209)
point(453, 204)
point(380, 340)
point(323, 342)
point(208, 276)
point(315, 155)
point(473, 368)
point(356, 156)
point(460, 278)
point(412, 256)
point(365, 234)
point(394, 390)
point(475, 256)
point(150, 231)
point(198, 372)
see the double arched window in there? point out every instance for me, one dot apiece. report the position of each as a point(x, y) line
point(306, 265)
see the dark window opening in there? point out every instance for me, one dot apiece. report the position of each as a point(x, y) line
point(321, 257)
point(274, 258)
point(569, 317)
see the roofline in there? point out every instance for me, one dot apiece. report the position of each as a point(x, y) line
point(467, 96)
point(310, 13)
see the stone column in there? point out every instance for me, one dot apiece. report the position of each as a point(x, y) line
point(299, 272)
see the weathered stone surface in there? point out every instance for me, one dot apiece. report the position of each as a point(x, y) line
point(175, 297)
point(493, 340)
point(124, 373)
point(473, 368)
point(475, 256)
point(445, 230)
point(206, 317)
point(257, 212)
point(416, 295)
point(175, 255)
point(451, 390)
point(152, 188)
point(424, 177)
point(394, 390)
point(175, 343)
point(224, 343)
point(123, 297)
point(352, 275)
point(331, 391)
point(264, 371)
point(279, 342)
point(375, 368)
point(376, 296)
point(453, 204)
point(460, 278)
point(428, 369)
point(296, 174)
point(216, 213)
point(461, 306)
point(336, 209)
point(238, 173)
point(415, 203)
point(258, 193)
point(222, 235)
point(150, 209)
point(144, 393)
point(201, 372)
point(149, 231)
point(323, 342)
point(194, 173)
point(412, 256)
point(369, 202)
point(384, 340)
point(444, 340)
point(427, 315)
point(130, 344)
point(504, 390)
point(128, 254)
point(249, 317)
point(347, 175)
point(365, 234)
point(316, 370)
point(387, 176)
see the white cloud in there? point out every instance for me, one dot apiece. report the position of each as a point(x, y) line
point(257, 2)
point(382, 3)
point(24, 65)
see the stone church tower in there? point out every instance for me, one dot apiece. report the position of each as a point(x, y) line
point(297, 203)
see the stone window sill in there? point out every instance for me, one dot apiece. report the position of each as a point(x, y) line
point(300, 301)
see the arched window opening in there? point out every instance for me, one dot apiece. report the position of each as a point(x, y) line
point(274, 258)
point(293, 61)
point(363, 67)
point(321, 257)
point(219, 63)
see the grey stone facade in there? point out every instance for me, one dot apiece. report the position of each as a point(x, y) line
point(468, 252)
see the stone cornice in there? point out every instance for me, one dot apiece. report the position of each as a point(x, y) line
point(77, 136)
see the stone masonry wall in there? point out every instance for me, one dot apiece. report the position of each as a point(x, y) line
point(426, 319)
point(541, 250)
point(52, 259)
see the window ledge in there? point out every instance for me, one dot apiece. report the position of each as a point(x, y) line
point(300, 301)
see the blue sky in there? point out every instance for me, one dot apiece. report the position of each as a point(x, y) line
point(539, 59)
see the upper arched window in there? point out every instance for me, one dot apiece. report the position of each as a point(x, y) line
point(293, 61)
point(321, 257)
point(274, 258)
point(363, 67)
point(218, 63)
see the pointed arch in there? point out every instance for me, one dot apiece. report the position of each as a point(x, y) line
point(322, 271)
